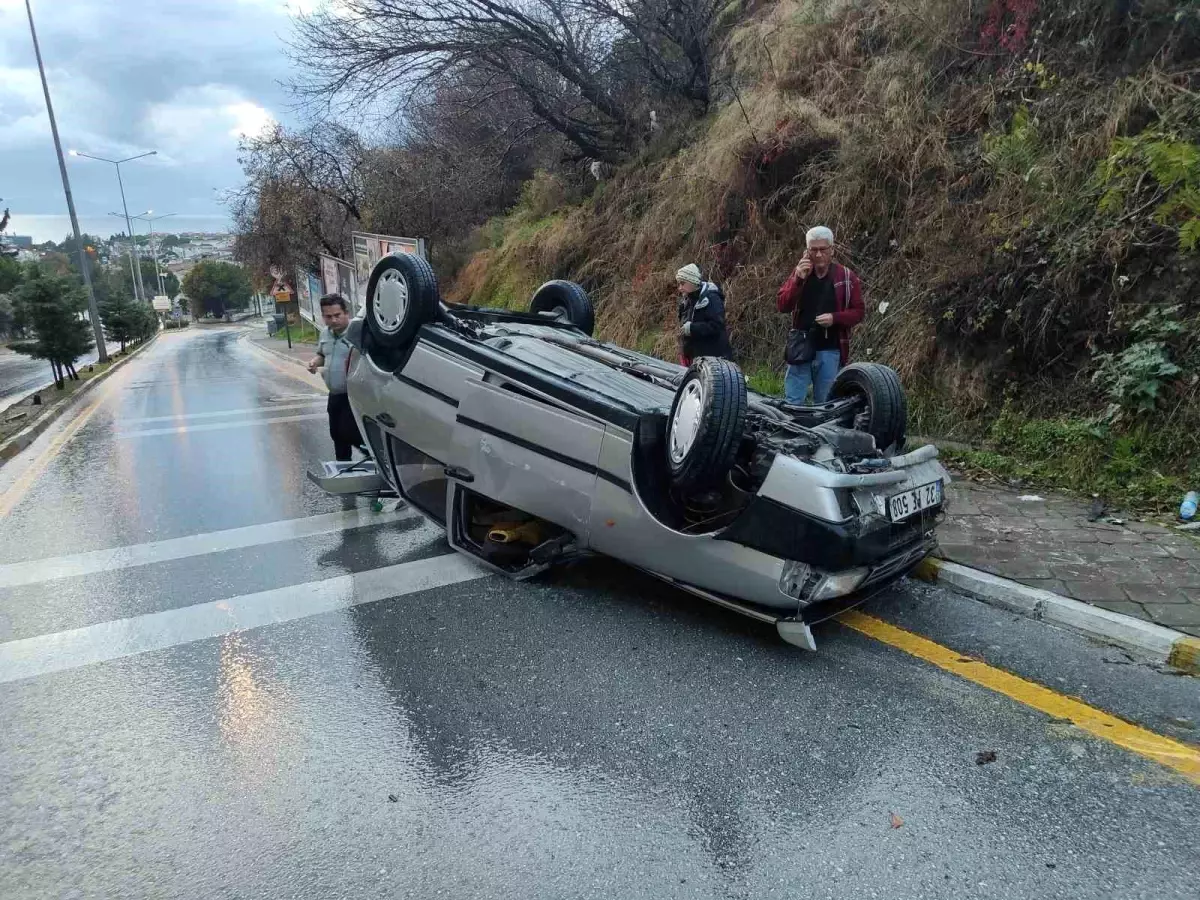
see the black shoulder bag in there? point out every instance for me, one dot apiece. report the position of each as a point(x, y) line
point(799, 348)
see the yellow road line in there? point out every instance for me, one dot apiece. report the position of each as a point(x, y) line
point(19, 488)
point(1181, 757)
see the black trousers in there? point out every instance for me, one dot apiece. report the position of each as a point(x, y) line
point(342, 427)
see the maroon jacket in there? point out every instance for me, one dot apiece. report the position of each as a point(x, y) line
point(847, 292)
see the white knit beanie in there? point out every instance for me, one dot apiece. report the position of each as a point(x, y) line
point(689, 273)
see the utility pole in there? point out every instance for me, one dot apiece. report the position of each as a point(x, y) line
point(93, 309)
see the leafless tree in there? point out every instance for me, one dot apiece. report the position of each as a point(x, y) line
point(582, 68)
point(303, 195)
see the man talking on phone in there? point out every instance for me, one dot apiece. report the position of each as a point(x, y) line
point(825, 300)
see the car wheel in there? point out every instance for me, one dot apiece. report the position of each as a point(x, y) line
point(402, 295)
point(886, 415)
point(569, 301)
point(705, 427)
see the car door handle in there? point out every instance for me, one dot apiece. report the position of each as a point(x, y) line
point(385, 420)
point(458, 474)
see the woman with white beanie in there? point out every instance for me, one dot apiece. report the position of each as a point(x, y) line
point(701, 317)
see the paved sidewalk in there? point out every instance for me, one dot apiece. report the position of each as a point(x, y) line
point(1045, 540)
point(301, 353)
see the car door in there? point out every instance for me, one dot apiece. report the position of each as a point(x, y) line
point(511, 445)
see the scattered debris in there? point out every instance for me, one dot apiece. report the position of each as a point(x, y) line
point(983, 757)
point(1097, 509)
point(1189, 526)
point(37, 399)
point(1030, 498)
point(1112, 520)
point(392, 798)
point(896, 820)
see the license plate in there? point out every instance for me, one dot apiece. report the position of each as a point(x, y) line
point(911, 502)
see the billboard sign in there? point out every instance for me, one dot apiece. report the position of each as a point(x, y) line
point(368, 249)
point(337, 277)
point(162, 303)
point(309, 290)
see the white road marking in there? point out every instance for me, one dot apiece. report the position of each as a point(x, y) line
point(215, 426)
point(49, 653)
point(37, 570)
point(218, 413)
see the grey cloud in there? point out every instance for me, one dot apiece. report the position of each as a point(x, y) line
point(110, 65)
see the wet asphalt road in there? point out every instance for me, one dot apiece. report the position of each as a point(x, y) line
point(426, 731)
point(19, 375)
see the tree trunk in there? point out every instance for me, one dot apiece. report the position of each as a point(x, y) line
point(58, 379)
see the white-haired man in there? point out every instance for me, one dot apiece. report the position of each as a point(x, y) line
point(825, 300)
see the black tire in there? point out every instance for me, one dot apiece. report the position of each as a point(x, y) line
point(715, 391)
point(569, 300)
point(886, 415)
point(392, 319)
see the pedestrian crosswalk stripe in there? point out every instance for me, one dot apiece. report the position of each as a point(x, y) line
point(218, 413)
point(64, 650)
point(35, 571)
point(215, 426)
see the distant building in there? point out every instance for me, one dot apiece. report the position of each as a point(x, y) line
point(20, 241)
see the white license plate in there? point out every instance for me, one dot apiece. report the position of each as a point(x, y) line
point(911, 502)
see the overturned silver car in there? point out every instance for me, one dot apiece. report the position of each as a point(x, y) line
point(533, 444)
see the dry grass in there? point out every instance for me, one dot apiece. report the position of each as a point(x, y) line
point(882, 119)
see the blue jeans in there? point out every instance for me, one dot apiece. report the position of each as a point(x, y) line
point(819, 374)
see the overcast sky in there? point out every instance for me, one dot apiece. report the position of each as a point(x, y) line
point(183, 77)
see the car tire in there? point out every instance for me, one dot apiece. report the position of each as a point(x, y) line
point(706, 423)
point(569, 300)
point(886, 415)
point(402, 295)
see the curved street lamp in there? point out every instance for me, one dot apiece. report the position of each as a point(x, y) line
point(137, 284)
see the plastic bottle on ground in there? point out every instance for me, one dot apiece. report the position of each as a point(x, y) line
point(1187, 509)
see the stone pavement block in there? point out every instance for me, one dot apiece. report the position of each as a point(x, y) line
point(1147, 528)
point(1131, 572)
point(1030, 567)
point(1154, 593)
point(1045, 584)
point(1122, 606)
point(1151, 550)
point(1092, 591)
point(1181, 548)
point(1174, 614)
point(1055, 523)
point(1176, 572)
point(1082, 572)
point(1049, 544)
point(1193, 630)
point(1117, 537)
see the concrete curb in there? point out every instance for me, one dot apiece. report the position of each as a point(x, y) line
point(33, 430)
point(1159, 644)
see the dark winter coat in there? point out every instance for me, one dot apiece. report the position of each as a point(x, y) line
point(705, 310)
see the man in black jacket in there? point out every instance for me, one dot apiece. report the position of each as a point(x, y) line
point(701, 317)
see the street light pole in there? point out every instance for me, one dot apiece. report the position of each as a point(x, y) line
point(138, 291)
point(93, 309)
point(146, 217)
point(132, 274)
